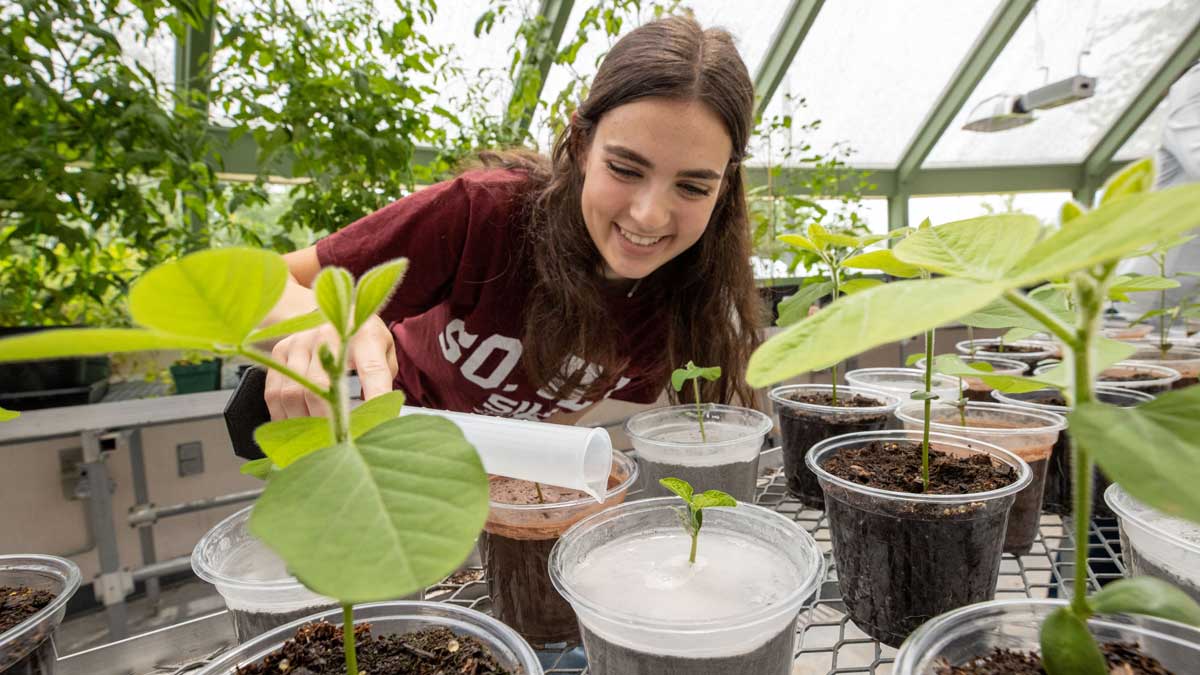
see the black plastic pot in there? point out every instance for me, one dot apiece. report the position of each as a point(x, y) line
point(33, 385)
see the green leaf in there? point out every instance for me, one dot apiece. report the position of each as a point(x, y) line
point(826, 239)
point(1111, 231)
point(1149, 596)
point(913, 358)
point(1105, 353)
point(1004, 314)
point(1136, 284)
point(679, 487)
point(691, 371)
point(1070, 211)
point(1067, 646)
point(1018, 334)
point(217, 294)
point(380, 517)
point(1150, 450)
point(923, 396)
point(375, 288)
point(859, 285)
point(1134, 179)
point(334, 288)
point(374, 412)
point(6, 415)
point(712, 498)
point(855, 323)
point(984, 248)
point(883, 260)
point(799, 242)
point(287, 327)
point(259, 468)
point(952, 365)
point(285, 441)
point(795, 307)
point(53, 344)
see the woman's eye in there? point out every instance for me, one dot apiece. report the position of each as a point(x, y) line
point(622, 171)
point(695, 190)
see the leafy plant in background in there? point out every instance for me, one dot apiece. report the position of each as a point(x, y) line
point(1166, 315)
point(695, 373)
point(361, 506)
point(1150, 449)
point(692, 517)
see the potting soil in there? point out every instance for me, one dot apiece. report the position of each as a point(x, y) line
point(316, 649)
point(32, 653)
point(521, 592)
point(18, 603)
point(1123, 658)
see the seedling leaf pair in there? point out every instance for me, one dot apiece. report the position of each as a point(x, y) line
point(692, 517)
point(285, 441)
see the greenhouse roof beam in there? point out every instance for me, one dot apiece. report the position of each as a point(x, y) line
point(797, 21)
point(1140, 107)
point(535, 66)
point(999, 29)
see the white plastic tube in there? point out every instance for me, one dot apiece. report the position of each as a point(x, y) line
point(579, 458)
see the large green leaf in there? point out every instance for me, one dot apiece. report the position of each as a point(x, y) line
point(1134, 179)
point(260, 468)
point(1138, 284)
point(379, 517)
point(1110, 232)
point(795, 307)
point(285, 441)
point(1003, 314)
point(983, 248)
point(951, 364)
point(53, 344)
point(287, 327)
point(1105, 353)
point(799, 242)
point(1151, 450)
point(855, 323)
point(375, 288)
point(1067, 646)
point(679, 486)
point(883, 260)
point(852, 286)
point(374, 412)
point(6, 415)
point(826, 239)
point(219, 294)
point(334, 288)
point(1149, 596)
point(1069, 211)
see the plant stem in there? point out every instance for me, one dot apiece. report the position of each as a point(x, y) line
point(538, 486)
point(699, 411)
point(692, 557)
point(1035, 309)
point(348, 641)
point(1090, 296)
point(929, 337)
point(1162, 307)
point(835, 274)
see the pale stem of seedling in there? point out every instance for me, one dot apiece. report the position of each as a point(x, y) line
point(928, 410)
point(348, 641)
point(1163, 347)
point(695, 535)
point(834, 274)
point(699, 410)
point(338, 398)
point(538, 486)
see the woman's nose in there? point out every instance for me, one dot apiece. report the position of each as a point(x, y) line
point(650, 210)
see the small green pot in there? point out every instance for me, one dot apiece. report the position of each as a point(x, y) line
point(197, 377)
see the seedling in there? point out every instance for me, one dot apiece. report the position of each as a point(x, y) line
point(692, 517)
point(1166, 315)
point(339, 501)
point(694, 372)
point(985, 262)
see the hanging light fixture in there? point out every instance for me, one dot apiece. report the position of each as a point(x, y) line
point(1008, 111)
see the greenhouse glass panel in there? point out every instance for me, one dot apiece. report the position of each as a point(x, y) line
point(1118, 42)
point(1145, 141)
point(871, 70)
point(945, 209)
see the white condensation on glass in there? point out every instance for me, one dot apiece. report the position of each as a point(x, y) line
point(869, 71)
point(944, 209)
point(1145, 141)
point(1125, 41)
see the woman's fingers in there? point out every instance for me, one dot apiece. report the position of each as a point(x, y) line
point(373, 355)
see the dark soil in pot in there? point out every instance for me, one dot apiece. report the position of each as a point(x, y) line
point(316, 649)
point(802, 429)
point(992, 348)
point(1122, 658)
point(900, 562)
point(609, 658)
point(18, 603)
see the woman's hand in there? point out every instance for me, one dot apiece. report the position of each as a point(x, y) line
point(372, 353)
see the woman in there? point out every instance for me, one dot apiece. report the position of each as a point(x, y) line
point(538, 287)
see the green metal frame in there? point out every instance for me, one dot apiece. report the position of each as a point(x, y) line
point(793, 28)
point(539, 57)
point(1143, 103)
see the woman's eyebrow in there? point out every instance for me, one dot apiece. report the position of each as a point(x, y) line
point(627, 154)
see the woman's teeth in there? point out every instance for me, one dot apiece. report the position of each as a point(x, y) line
point(637, 239)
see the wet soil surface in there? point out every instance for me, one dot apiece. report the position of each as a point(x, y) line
point(896, 466)
point(803, 428)
point(1010, 349)
point(1131, 377)
point(316, 649)
point(843, 401)
point(18, 603)
point(1123, 659)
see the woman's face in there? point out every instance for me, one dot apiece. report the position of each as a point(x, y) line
point(651, 179)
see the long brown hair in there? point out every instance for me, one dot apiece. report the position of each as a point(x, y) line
point(712, 311)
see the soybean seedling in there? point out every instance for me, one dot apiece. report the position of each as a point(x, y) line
point(312, 512)
point(985, 263)
point(694, 373)
point(692, 517)
point(1166, 315)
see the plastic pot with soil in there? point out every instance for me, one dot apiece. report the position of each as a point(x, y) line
point(253, 581)
point(669, 444)
point(34, 590)
point(1029, 352)
point(964, 637)
point(1056, 498)
point(808, 415)
point(900, 382)
point(516, 544)
point(1028, 434)
point(1184, 360)
point(1156, 544)
point(904, 556)
point(644, 609)
point(976, 389)
point(400, 636)
point(1120, 330)
point(1144, 377)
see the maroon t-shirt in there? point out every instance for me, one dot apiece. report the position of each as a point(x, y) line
point(458, 317)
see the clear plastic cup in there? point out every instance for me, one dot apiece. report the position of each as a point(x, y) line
point(1156, 544)
point(28, 647)
point(1123, 331)
point(1029, 434)
point(970, 632)
point(803, 425)
point(665, 615)
point(903, 558)
point(669, 444)
point(1029, 352)
point(1184, 360)
point(1056, 498)
point(902, 382)
point(516, 544)
point(252, 579)
point(1132, 375)
point(977, 389)
point(396, 618)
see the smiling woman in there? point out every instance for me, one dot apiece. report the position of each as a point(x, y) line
point(546, 284)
